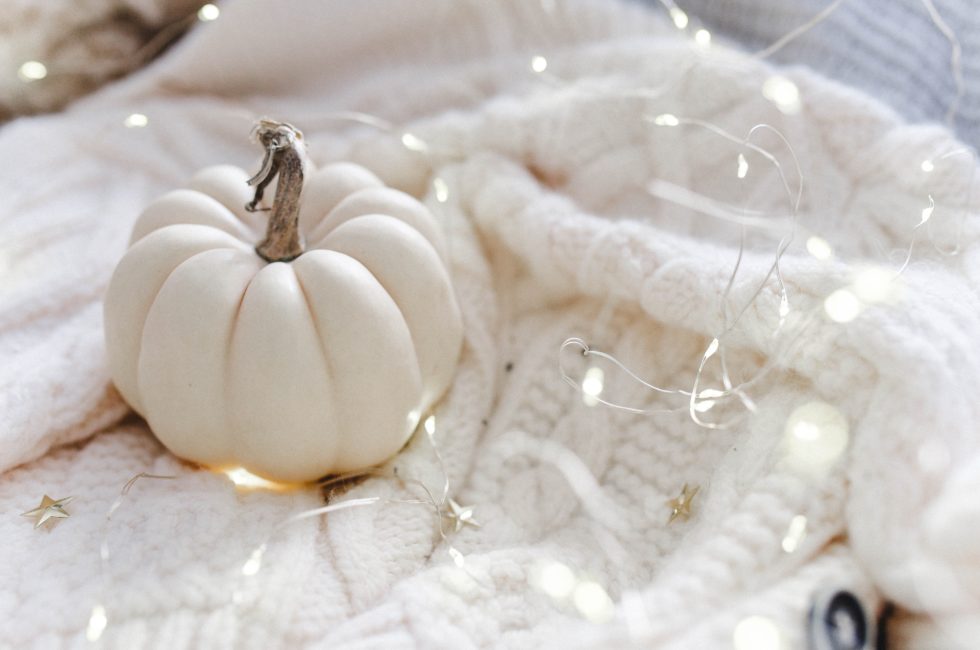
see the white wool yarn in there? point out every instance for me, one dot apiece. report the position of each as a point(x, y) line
point(552, 234)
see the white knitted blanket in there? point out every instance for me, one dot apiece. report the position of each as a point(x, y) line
point(542, 191)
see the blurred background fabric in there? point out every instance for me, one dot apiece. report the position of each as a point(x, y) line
point(891, 49)
point(81, 44)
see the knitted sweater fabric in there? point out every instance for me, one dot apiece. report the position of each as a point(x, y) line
point(894, 50)
point(553, 234)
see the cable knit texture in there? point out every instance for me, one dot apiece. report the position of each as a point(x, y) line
point(551, 234)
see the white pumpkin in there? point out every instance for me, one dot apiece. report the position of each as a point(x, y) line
point(318, 363)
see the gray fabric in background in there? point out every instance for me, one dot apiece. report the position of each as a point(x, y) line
point(889, 48)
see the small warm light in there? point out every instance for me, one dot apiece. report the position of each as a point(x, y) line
point(243, 478)
point(136, 120)
point(816, 435)
point(842, 306)
point(413, 419)
point(706, 399)
point(539, 64)
point(928, 166)
point(712, 348)
point(783, 93)
point(927, 211)
point(795, 534)
point(666, 119)
point(819, 248)
point(430, 425)
point(592, 385)
point(96, 624)
point(806, 431)
point(457, 557)
point(757, 633)
point(592, 602)
point(32, 71)
point(783, 306)
point(702, 37)
point(743, 166)
point(874, 284)
point(208, 13)
point(254, 563)
point(413, 142)
point(679, 17)
point(441, 189)
point(556, 580)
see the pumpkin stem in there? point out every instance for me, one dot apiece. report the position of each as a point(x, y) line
point(284, 156)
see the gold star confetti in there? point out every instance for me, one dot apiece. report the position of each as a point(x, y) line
point(462, 516)
point(681, 506)
point(49, 509)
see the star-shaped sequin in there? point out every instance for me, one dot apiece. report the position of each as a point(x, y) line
point(681, 506)
point(48, 510)
point(460, 515)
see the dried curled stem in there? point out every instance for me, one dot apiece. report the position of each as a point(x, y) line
point(284, 156)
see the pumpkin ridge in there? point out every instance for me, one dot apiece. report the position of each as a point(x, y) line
point(180, 329)
point(316, 324)
point(404, 236)
point(317, 329)
point(156, 296)
point(381, 284)
point(229, 341)
point(227, 184)
point(380, 195)
point(222, 214)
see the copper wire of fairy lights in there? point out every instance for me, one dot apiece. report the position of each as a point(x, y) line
point(555, 578)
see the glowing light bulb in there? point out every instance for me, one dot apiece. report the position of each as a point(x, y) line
point(679, 17)
point(819, 248)
point(241, 477)
point(208, 13)
point(757, 633)
point(556, 580)
point(539, 64)
point(706, 401)
point(254, 563)
point(32, 71)
point(842, 306)
point(457, 557)
point(592, 602)
point(96, 624)
point(816, 435)
point(666, 119)
point(712, 349)
point(702, 37)
point(136, 120)
point(430, 425)
point(783, 93)
point(743, 166)
point(927, 211)
point(413, 142)
point(592, 385)
point(795, 534)
point(928, 166)
point(441, 189)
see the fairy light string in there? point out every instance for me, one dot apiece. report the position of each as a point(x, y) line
point(99, 618)
point(606, 519)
